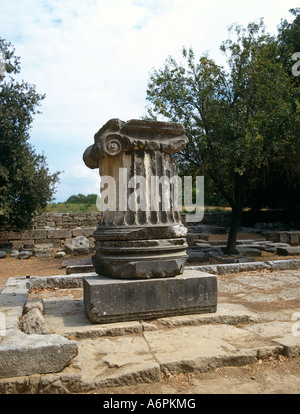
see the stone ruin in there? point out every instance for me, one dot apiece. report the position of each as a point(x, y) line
point(140, 253)
point(141, 273)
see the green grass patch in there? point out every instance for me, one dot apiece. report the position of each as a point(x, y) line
point(71, 208)
point(92, 208)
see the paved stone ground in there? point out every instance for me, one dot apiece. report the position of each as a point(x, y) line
point(255, 326)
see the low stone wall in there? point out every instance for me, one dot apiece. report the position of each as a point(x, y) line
point(58, 229)
point(65, 220)
point(61, 228)
point(57, 237)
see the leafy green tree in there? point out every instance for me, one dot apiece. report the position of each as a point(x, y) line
point(82, 199)
point(283, 176)
point(239, 120)
point(26, 186)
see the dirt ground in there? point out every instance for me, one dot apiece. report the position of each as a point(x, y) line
point(12, 267)
point(276, 375)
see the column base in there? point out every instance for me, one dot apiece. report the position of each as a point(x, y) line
point(109, 300)
point(134, 253)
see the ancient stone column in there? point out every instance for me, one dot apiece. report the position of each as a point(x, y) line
point(140, 234)
point(140, 246)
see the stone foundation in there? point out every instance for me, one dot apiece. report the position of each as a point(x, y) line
point(112, 300)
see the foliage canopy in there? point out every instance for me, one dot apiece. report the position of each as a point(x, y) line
point(26, 186)
point(242, 121)
point(82, 199)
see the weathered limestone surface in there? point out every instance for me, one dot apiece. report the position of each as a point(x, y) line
point(78, 246)
point(111, 300)
point(43, 250)
point(128, 353)
point(22, 354)
point(290, 237)
point(288, 251)
point(37, 352)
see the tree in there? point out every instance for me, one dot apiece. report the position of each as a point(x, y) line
point(82, 199)
point(26, 186)
point(277, 178)
point(239, 121)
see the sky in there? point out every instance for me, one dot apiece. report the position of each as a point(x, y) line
point(93, 58)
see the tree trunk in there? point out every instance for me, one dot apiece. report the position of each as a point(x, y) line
point(235, 223)
point(237, 209)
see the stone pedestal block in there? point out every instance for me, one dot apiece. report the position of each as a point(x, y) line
point(109, 300)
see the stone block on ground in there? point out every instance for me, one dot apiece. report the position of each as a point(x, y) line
point(25, 254)
point(283, 237)
point(288, 251)
point(32, 304)
point(290, 237)
point(114, 300)
point(22, 354)
point(14, 253)
point(43, 250)
point(284, 264)
point(2, 254)
point(248, 251)
point(80, 245)
point(273, 236)
point(195, 256)
point(34, 323)
point(294, 238)
point(59, 255)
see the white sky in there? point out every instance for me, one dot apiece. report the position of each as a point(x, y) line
point(92, 58)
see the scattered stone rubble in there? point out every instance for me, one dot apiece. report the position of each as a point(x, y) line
point(282, 243)
point(78, 356)
point(79, 245)
point(57, 242)
point(47, 241)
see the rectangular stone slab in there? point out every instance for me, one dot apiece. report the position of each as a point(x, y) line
point(113, 300)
